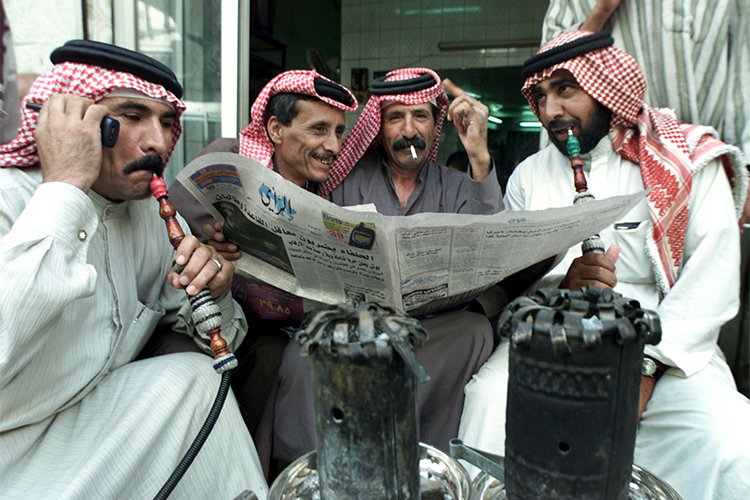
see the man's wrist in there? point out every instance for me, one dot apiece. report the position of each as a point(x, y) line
point(652, 368)
point(480, 165)
point(597, 18)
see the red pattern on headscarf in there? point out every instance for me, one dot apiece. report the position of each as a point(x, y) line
point(651, 139)
point(92, 82)
point(254, 140)
point(364, 136)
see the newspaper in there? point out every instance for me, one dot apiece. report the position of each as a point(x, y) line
point(307, 246)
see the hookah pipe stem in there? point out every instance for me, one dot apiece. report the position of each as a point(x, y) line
point(594, 244)
point(206, 314)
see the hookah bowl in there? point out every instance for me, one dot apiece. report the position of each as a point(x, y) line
point(573, 394)
point(365, 379)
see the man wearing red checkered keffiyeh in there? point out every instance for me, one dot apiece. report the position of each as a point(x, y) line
point(389, 156)
point(396, 139)
point(87, 278)
point(676, 253)
point(296, 129)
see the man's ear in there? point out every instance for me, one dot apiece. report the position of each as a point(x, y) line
point(275, 130)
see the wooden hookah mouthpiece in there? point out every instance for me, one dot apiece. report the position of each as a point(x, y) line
point(595, 243)
point(206, 314)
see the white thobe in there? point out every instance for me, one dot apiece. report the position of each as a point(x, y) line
point(694, 431)
point(83, 286)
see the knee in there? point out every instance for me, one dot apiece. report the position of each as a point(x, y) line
point(490, 383)
point(194, 370)
point(294, 369)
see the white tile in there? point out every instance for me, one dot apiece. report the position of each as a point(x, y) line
point(411, 14)
point(521, 11)
point(350, 43)
point(431, 62)
point(453, 33)
point(428, 44)
point(497, 10)
point(473, 61)
point(369, 45)
point(389, 43)
point(411, 62)
point(410, 43)
point(518, 31)
point(432, 13)
point(346, 73)
point(453, 15)
point(475, 12)
point(370, 64)
point(369, 17)
point(496, 61)
point(390, 16)
point(350, 19)
point(475, 33)
point(390, 63)
point(451, 61)
point(498, 31)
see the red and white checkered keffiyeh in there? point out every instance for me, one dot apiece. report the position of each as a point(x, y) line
point(92, 82)
point(254, 140)
point(666, 151)
point(364, 136)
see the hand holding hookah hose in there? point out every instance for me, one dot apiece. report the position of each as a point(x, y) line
point(594, 244)
point(207, 319)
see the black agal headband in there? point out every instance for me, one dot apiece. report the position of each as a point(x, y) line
point(381, 87)
point(566, 52)
point(333, 90)
point(118, 59)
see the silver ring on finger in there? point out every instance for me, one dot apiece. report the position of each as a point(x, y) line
point(218, 264)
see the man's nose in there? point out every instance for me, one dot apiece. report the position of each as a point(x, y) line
point(332, 143)
point(158, 139)
point(409, 130)
point(553, 107)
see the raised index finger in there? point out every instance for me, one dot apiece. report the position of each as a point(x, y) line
point(452, 88)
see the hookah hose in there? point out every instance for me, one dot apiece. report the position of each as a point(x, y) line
point(594, 244)
point(192, 452)
point(207, 318)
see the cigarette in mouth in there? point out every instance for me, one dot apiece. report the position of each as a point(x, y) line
point(413, 151)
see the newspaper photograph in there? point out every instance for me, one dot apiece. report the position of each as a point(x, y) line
point(308, 247)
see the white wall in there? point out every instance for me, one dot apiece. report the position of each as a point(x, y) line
point(382, 35)
point(39, 27)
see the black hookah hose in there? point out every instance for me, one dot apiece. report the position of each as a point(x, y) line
point(200, 439)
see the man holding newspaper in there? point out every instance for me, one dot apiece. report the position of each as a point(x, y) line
point(298, 121)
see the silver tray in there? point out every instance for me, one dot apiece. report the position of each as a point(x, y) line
point(441, 478)
point(643, 486)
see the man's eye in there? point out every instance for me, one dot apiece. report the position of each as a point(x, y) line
point(133, 117)
point(167, 124)
point(539, 97)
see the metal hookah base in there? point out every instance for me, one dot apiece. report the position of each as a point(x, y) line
point(643, 486)
point(441, 478)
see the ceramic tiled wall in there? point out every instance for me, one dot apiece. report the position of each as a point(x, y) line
point(386, 34)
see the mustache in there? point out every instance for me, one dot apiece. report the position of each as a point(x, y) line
point(404, 143)
point(558, 124)
point(151, 163)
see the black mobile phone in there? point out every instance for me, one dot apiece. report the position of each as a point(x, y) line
point(110, 127)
